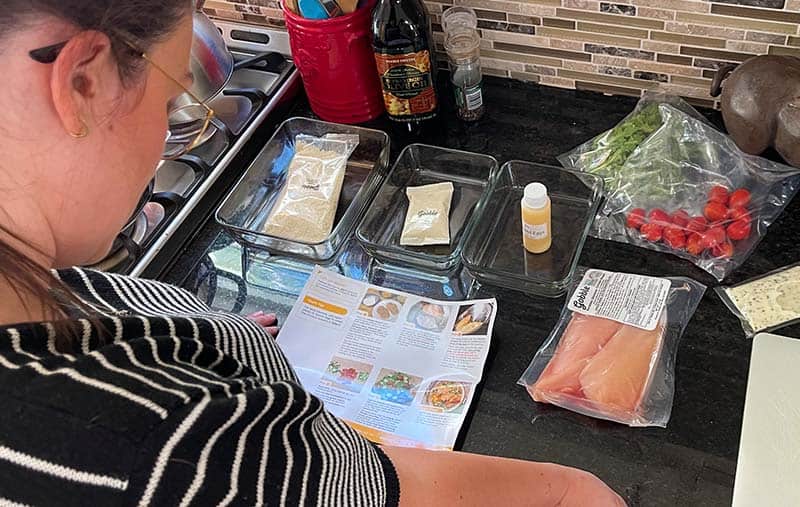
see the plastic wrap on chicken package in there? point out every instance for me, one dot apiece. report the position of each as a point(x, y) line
point(676, 184)
point(612, 353)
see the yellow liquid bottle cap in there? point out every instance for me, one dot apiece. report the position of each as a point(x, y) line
point(535, 196)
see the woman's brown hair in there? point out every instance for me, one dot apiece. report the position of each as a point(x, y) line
point(144, 22)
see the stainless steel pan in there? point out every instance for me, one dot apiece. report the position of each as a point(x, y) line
point(211, 62)
point(212, 66)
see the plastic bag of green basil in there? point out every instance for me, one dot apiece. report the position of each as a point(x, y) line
point(676, 184)
point(606, 155)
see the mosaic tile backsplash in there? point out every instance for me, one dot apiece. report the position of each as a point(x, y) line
point(613, 47)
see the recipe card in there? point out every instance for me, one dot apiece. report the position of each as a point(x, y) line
point(399, 368)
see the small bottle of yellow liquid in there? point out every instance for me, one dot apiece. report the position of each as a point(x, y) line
point(536, 233)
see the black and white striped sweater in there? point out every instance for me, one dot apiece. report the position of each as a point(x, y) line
point(173, 404)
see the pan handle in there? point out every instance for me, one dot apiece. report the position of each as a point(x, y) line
point(722, 73)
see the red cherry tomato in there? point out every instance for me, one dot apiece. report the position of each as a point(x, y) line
point(723, 251)
point(636, 218)
point(659, 216)
point(739, 213)
point(652, 232)
point(675, 237)
point(694, 244)
point(739, 230)
point(713, 237)
point(680, 218)
point(715, 211)
point(697, 224)
point(740, 198)
point(718, 194)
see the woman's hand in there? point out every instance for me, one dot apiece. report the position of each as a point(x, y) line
point(269, 321)
point(453, 478)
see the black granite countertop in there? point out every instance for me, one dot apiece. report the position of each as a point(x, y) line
point(693, 460)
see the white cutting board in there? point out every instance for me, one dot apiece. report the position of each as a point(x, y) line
point(768, 468)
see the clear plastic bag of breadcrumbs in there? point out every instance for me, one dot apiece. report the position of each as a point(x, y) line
point(612, 353)
point(305, 208)
point(677, 185)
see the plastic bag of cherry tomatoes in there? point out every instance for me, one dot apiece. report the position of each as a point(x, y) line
point(676, 184)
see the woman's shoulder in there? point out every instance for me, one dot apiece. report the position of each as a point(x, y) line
point(122, 309)
point(152, 303)
point(114, 293)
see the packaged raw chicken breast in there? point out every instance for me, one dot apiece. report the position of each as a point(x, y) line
point(612, 354)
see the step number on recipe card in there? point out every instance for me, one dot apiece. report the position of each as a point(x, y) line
point(630, 299)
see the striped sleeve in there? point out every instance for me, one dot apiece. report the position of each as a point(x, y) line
point(271, 446)
point(160, 401)
point(128, 424)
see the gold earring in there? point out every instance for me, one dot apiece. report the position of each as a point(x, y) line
point(83, 132)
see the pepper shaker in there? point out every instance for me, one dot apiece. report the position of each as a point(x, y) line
point(462, 43)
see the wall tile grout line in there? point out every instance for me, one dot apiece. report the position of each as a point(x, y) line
point(612, 46)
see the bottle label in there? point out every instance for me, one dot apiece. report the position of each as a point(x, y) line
point(470, 98)
point(407, 83)
point(538, 231)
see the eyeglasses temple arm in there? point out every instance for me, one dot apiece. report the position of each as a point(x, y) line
point(47, 54)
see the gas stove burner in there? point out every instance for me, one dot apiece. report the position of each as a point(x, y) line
point(178, 139)
point(232, 110)
point(254, 79)
point(186, 120)
point(175, 176)
point(154, 213)
point(124, 244)
point(140, 227)
point(231, 114)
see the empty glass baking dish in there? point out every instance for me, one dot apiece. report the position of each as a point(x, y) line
point(247, 207)
point(494, 253)
point(418, 164)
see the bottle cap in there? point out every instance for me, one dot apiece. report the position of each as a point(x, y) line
point(462, 44)
point(535, 196)
point(459, 16)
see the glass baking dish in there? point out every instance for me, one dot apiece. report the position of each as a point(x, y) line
point(246, 208)
point(453, 285)
point(494, 253)
point(418, 164)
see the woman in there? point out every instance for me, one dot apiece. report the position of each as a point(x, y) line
point(121, 391)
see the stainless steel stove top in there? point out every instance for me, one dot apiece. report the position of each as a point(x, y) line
point(250, 96)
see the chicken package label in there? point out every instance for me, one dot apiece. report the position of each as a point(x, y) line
point(630, 299)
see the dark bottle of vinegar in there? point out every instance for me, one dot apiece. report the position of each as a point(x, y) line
point(403, 46)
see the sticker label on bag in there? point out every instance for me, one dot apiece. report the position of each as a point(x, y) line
point(630, 299)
